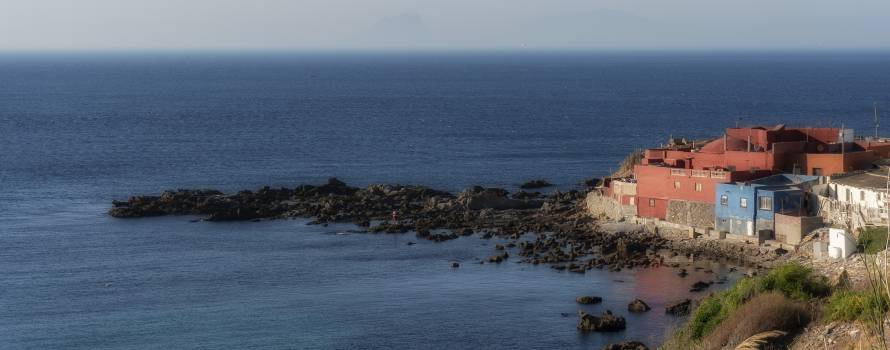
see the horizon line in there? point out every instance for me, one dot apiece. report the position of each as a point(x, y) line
point(436, 50)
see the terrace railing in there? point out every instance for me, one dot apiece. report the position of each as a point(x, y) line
point(701, 173)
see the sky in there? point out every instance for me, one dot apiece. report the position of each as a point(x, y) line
point(30, 25)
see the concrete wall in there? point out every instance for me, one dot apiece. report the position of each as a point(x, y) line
point(649, 207)
point(690, 213)
point(791, 229)
point(603, 206)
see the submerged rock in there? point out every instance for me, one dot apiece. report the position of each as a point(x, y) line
point(587, 300)
point(679, 308)
point(603, 323)
point(539, 183)
point(626, 345)
point(699, 286)
point(638, 306)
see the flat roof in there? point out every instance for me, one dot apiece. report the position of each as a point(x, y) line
point(868, 179)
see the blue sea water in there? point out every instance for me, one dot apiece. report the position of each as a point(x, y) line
point(78, 130)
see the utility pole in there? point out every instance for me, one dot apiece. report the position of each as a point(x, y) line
point(843, 159)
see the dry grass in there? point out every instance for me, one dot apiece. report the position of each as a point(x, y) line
point(764, 312)
point(626, 168)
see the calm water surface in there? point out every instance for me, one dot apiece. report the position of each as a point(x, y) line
point(77, 131)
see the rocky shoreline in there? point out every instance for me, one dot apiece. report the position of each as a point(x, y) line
point(564, 235)
point(554, 229)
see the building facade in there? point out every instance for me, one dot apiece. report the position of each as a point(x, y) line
point(678, 176)
point(748, 208)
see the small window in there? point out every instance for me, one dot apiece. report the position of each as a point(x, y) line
point(817, 171)
point(849, 197)
point(697, 187)
point(651, 203)
point(724, 200)
point(677, 185)
point(862, 195)
point(765, 203)
point(743, 202)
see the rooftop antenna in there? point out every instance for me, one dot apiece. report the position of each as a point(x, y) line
point(875, 104)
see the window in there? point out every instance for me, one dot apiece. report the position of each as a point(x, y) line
point(817, 171)
point(697, 187)
point(849, 197)
point(743, 202)
point(862, 195)
point(651, 202)
point(724, 200)
point(677, 185)
point(765, 203)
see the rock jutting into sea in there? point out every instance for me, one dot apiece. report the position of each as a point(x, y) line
point(565, 236)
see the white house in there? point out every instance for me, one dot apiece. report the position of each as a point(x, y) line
point(862, 189)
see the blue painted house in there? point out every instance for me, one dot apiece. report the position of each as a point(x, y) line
point(748, 208)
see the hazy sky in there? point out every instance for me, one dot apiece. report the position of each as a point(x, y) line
point(442, 24)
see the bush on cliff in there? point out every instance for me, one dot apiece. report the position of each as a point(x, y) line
point(765, 312)
point(792, 280)
point(873, 239)
point(855, 305)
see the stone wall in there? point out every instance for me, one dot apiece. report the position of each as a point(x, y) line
point(792, 229)
point(850, 216)
point(602, 206)
point(695, 214)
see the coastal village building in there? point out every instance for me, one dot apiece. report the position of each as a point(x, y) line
point(857, 199)
point(751, 210)
point(866, 189)
point(678, 183)
point(623, 192)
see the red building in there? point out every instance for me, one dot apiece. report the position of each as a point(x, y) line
point(690, 172)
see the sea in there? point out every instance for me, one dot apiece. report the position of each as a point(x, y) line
point(78, 130)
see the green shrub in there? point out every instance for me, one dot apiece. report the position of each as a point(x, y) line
point(791, 279)
point(873, 239)
point(795, 281)
point(851, 306)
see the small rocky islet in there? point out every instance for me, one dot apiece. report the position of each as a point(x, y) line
point(564, 235)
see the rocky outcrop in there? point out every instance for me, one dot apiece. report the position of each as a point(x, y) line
point(626, 167)
point(603, 323)
point(479, 198)
point(638, 306)
point(565, 236)
point(626, 345)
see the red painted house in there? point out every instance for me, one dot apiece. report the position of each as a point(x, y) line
point(690, 172)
